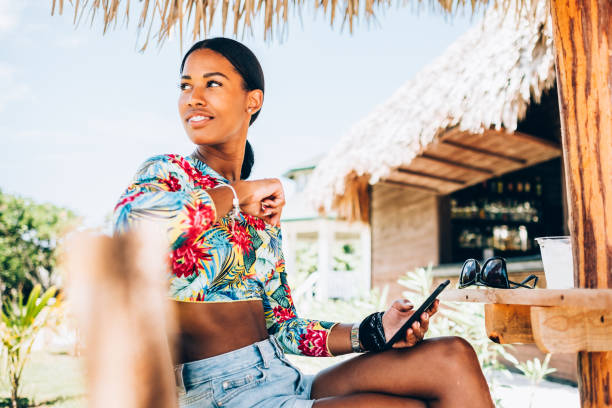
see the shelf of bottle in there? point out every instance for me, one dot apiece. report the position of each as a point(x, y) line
point(492, 222)
point(505, 251)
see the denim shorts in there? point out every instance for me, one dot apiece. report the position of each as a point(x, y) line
point(258, 375)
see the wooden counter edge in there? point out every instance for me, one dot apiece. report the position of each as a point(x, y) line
point(587, 298)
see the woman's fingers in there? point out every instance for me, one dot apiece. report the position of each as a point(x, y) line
point(418, 331)
point(415, 333)
point(425, 322)
point(273, 217)
point(274, 201)
point(397, 315)
point(262, 199)
point(433, 308)
point(403, 305)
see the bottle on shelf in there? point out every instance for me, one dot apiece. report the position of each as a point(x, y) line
point(538, 187)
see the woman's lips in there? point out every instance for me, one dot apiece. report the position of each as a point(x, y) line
point(197, 122)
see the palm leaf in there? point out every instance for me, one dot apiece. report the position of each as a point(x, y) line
point(29, 316)
point(49, 293)
point(169, 15)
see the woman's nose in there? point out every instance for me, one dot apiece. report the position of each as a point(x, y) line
point(197, 97)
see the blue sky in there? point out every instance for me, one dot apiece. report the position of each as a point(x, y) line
point(80, 111)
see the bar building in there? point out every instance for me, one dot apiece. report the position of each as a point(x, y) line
point(462, 161)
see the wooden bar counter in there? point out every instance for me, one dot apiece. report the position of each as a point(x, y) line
point(556, 320)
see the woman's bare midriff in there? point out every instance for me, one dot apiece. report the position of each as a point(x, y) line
point(210, 329)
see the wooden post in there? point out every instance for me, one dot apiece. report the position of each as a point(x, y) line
point(583, 43)
point(117, 290)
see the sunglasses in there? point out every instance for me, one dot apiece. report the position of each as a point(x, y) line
point(493, 274)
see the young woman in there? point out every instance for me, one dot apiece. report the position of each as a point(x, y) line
point(236, 315)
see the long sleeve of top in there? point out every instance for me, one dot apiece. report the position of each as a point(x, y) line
point(225, 260)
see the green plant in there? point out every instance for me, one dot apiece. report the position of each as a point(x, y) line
point(535, 371)
point(344, 256)
point(21, 322)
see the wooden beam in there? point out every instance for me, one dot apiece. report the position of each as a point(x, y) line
point(582, 32)
point(456, 164)
point(571, 329)
point(487, 152)
point(596, 299)
point(506, 324)
point(531, 139)
point(555, 329)
point(431, 176)
point(416, 186)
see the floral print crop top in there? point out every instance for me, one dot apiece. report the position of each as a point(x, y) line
point(217, 261)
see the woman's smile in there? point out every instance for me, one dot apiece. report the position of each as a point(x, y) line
point(197, 118)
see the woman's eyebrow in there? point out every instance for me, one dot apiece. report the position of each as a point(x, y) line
point(207, 75)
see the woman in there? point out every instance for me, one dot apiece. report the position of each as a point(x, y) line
point(236, 315)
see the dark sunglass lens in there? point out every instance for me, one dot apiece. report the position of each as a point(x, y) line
point(468, 272)
point(494, 274)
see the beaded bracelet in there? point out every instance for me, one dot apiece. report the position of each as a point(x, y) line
point(355, 344)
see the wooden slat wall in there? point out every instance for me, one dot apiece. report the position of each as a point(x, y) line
point(405, 233)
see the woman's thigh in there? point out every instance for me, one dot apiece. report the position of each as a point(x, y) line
point(368, 400)
point(425, 371)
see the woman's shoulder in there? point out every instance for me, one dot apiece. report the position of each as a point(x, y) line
point(183, 167)
point(166, 159)
point(169, 162)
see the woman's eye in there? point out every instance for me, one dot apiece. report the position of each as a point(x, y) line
point(182, 86)
point(213, 84)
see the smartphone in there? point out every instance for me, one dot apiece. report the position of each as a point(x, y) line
point(416, 315)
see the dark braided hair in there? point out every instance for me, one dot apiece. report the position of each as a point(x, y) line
point(247, 65)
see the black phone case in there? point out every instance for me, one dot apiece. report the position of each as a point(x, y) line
point(415, 316)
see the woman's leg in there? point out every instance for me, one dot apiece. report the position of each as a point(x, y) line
point(369, 400)
point(444, 372)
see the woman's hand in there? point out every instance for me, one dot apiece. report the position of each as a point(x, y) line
point(264, 198)
point(398, 313)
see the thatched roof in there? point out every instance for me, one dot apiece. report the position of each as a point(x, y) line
point(485, 80)
point(197, 16)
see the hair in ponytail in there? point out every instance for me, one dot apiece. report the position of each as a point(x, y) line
point(248, 162)
point(247, 65)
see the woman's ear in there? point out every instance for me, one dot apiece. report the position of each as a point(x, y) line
point(254, 100)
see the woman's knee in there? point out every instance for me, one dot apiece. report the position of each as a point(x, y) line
point(455, 354)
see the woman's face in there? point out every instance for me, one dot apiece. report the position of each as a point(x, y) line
point(213, 105)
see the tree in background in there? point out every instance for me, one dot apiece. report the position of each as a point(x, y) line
point(29, 234)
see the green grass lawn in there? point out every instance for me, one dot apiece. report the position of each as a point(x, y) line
point(50, 380)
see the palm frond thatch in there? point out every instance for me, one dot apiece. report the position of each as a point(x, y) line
point(166, 15)
point(484, 80)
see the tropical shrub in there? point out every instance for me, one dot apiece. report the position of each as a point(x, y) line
point(20, 323)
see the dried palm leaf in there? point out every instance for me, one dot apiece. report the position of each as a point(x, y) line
point(171, 12)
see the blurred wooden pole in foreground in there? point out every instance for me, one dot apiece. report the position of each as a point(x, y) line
point(117, 290)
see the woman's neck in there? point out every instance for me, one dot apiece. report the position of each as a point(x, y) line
point(225, 161)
